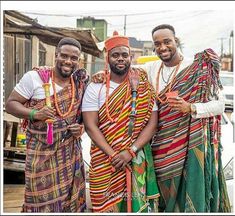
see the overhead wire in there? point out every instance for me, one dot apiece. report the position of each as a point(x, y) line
point(93, 14)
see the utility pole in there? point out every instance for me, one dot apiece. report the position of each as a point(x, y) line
point(125, 25)
point(231, 48)
point(222, 46)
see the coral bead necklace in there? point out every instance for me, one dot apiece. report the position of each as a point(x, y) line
point(107, 97)
point(63, 115)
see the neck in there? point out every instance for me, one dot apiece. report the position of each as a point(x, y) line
point(174, 61)
point(117, 78)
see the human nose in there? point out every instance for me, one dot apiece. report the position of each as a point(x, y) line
point(68, 60)
point(120, 58)
point(162, 47)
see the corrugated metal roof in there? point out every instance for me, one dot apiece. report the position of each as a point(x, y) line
point(17, 23)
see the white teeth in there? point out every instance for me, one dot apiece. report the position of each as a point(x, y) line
point(67, 68)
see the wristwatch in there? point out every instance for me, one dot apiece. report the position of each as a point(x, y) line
point(193, 109)
point(134, 148)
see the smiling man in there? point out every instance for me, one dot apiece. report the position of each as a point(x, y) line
point(186, 147)
point(54, 173)
point(119, 113)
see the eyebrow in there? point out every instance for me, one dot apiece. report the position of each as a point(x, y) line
point(164, 40)
point(120, 53)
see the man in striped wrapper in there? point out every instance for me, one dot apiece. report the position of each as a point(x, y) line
point(186, 146)
point(119, 113)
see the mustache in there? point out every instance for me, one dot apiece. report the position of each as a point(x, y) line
point(121, 64)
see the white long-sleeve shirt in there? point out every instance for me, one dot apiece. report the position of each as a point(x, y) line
point(203, 110)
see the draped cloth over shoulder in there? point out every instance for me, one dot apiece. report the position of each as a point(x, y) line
point(107, 188)
point(187, 151)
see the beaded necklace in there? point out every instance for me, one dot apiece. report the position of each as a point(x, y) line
point(169, 77)
point(173, 75)
point(107, 97)
point(62, 115)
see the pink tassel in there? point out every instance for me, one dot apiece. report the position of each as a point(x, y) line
point(50, 133)
point(45, 74)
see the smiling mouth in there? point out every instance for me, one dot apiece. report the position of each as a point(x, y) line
point(66, 68)
point(165, 54)
point(120, 65)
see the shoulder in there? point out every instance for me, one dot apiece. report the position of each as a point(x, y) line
point(152, 66)
point(141, 72)
point(91, 97)
point(153, 63)
point(99, 77)
point(93, 88)
point(207, 54)
point(31, 75)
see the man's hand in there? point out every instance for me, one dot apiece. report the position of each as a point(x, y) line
point(76, 129)
point(44, 114)
point(121, 160)
point(179, 104)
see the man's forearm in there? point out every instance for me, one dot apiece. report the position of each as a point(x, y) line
point(147, 133)
point(17, 109)
point(99, 139)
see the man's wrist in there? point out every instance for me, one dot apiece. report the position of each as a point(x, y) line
point(134, 149)
point(131, 152)
point(32, 114)
point(193, 109)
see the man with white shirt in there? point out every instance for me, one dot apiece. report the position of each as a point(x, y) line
point(54, 172)
point(120, 114)
point(186, 147)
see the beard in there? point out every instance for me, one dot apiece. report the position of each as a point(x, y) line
point(65, 74)
point(118, 71)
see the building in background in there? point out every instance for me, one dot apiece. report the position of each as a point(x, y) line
point(99, 28)
point(140, 48)
point(227, 58)
point(148, 48)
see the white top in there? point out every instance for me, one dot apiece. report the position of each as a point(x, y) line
point(30, 86)
point(203, 110)
point(152, 70)
point(95, 96)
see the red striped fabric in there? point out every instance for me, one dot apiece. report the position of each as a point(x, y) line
point(107, 188)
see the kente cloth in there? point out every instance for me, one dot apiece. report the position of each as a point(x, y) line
point(108, 189)
point(187, 151)
point(54, 174)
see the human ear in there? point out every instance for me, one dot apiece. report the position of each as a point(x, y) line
point(177, 41)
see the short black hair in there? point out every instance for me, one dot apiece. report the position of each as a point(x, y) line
point(164, 26)
point(69, 41)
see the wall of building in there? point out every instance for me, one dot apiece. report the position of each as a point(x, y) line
point(98, 26)
point(50, 54)
point(35, 51)
point(135, 53)
point(101, 29)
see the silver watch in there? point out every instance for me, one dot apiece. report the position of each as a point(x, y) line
point(134, 148)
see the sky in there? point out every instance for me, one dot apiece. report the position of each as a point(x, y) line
point(199, 25)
